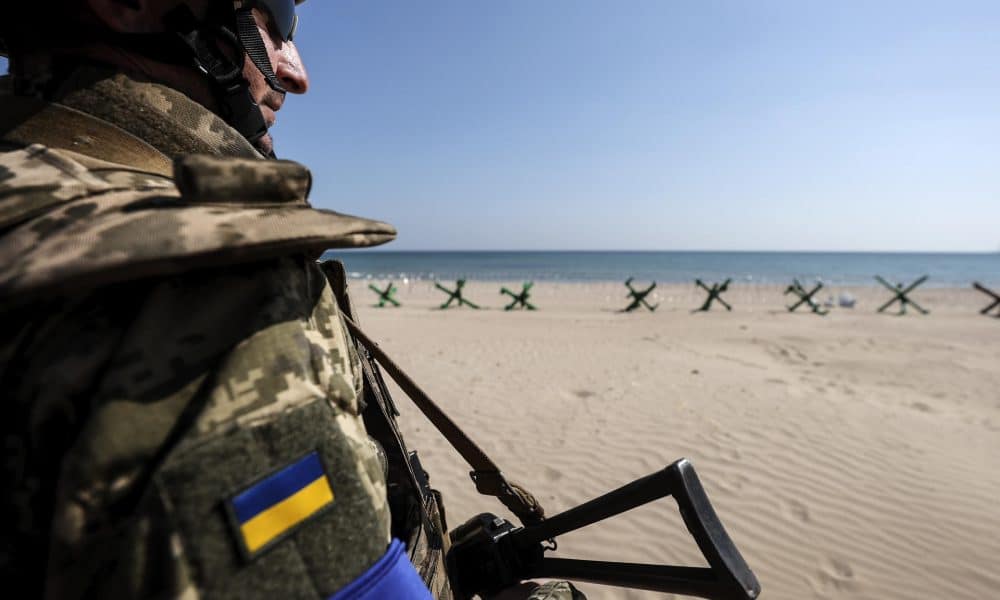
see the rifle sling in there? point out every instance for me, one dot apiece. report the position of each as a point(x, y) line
point(485, 473)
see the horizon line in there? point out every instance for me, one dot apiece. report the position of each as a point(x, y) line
point(381, 249)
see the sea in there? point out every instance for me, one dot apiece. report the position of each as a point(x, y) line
point(831, 268)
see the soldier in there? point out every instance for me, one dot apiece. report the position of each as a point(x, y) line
point(184, 413)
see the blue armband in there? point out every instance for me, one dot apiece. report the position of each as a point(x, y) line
point(393, 576)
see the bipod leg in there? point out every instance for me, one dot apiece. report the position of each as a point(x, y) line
point(724, 303)
point(462, 301)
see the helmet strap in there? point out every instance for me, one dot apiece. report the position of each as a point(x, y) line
point(231, 89)
point(253, 44)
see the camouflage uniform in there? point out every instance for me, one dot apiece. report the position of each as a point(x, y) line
point(167, 340)
point(165, 344)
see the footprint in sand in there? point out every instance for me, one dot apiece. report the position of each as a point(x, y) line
point(833, 577)
point(552, 474)
point(795, 510)
point(731, 453)
point(788, 354)
point(583, 393)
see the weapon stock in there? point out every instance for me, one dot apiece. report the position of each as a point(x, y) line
point(489, 553)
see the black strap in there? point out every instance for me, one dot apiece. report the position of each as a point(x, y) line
point(226, 75)
point(487, 476)
point(253, 45)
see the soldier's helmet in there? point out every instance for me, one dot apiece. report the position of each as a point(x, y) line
point(185, 39)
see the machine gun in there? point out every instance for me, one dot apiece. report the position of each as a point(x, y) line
point(489, 553)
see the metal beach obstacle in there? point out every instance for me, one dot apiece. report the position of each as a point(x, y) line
point(805, 297)
point(638, 297)
point(988, 292)
point(386, 295)
point(714, 293)
point(900, 295)
point(520, 300)
point(455, 295)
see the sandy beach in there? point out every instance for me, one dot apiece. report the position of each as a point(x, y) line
point(849, 456)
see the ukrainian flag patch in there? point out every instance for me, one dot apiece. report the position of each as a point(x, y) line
point(271, 508)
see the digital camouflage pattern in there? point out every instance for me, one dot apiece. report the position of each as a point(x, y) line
point(161, 116)
point(166, 339)
point(152, 366)
point(75, 226)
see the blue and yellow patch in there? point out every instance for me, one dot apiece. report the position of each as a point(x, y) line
point(265, 512)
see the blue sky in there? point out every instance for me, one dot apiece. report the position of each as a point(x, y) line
point(577, 124)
